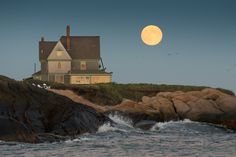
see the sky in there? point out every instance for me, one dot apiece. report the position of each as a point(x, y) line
point(198, 46)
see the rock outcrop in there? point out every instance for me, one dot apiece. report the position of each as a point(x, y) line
point(32, 114)
point(208, 105)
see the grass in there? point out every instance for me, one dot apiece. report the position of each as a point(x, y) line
point(113, 93)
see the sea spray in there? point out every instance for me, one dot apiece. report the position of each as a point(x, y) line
point(122, 120)
point(121, 123)
point(80, 139)
point(177, 138)
point(107, 127)
point(163, 125)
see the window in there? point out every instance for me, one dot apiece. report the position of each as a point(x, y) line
point(59, 65)
point(59, 53)
point(82, 65)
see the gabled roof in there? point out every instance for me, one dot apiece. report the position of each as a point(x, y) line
point(45, 48)
point(59, 53)
point(82, 47)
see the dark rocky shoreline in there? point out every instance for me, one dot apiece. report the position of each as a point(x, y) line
point(31, 114)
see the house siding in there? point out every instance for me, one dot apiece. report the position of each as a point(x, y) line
point(100, 79)
point(90, 79)
point(53, 66)
point(90, 65)
point(44, 66)
point(75, 65)
point(82, 79)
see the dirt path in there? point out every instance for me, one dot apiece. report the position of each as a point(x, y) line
point(79, 99)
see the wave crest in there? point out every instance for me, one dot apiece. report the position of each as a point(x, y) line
point(119, 119)
point(163, 125)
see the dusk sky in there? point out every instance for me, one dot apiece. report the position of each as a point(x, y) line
point(198, 46)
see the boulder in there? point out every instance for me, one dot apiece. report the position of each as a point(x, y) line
point(208, 105)
point(226, 103)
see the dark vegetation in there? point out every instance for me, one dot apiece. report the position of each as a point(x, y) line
point(113, 93)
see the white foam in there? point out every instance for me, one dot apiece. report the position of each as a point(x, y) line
point(80, 139)
point(162, 125)
point(85, 139)
point(106, 127)
point(121, 120)
point(72, 140)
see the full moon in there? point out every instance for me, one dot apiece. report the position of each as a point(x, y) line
point(151, 35)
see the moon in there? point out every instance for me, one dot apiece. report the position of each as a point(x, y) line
point(151, 35)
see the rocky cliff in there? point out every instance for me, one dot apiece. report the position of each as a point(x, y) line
point(32, 114)
point(206, 105)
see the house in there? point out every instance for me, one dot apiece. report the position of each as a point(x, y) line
point(72, 60)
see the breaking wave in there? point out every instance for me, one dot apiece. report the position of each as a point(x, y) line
point(107, 127)
point(122, 124)
point(173, 138)
point(163, 125)
point(119, 119)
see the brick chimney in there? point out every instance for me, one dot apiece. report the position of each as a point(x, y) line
point(68, 37)
point(42, 39)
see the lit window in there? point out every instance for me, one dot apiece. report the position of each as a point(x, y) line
point(83, 65)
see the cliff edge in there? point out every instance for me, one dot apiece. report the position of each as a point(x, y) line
point(32, 114)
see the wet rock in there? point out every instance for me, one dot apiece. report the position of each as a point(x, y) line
point(30, 114)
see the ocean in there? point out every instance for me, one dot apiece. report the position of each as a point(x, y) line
point(179, 138)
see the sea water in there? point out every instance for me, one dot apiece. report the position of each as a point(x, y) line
point(180, 138)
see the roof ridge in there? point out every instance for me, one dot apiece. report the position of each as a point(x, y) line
point(82, 36)
point(48, 41)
